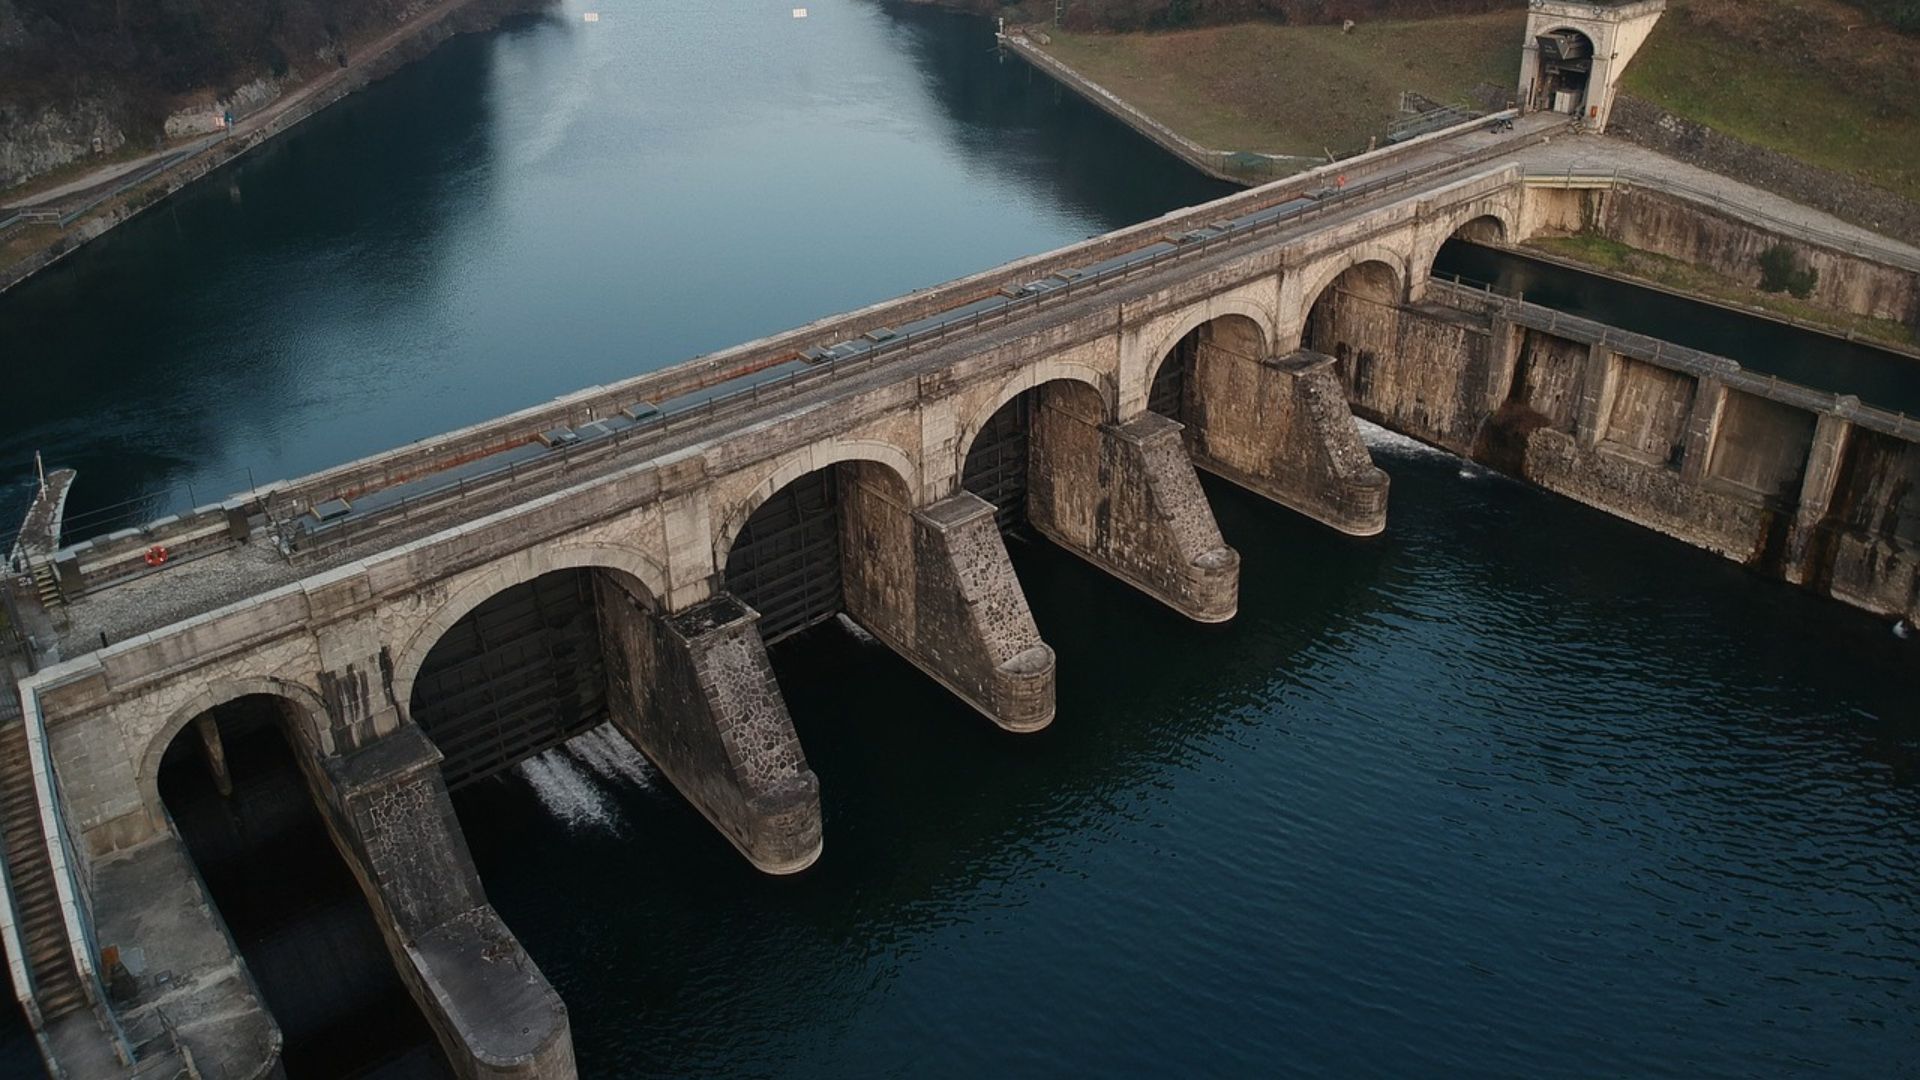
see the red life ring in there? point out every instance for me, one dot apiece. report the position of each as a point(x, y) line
point(156, 555)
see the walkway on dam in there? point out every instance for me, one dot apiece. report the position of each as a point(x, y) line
point(189, 588)
point(1539, 144)
point(1604, 155)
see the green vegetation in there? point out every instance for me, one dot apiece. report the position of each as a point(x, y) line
point(1780, 271)
point(1815, 79)
point(1297, 89)
point(1597, 251)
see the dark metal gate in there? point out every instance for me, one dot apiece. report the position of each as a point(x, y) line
point(996, 468)
point(785, 563)
point(518, 675)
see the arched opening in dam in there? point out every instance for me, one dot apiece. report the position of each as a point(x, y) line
point(516, 676)
point(1025, 443)
point(788, 561)
point(1181, 382)
point(235, 789)
point(1566, 65)
point(1356, 320)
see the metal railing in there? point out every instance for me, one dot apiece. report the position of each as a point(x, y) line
point(1666, 354)
point(329, 537)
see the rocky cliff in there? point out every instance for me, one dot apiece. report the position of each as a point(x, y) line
point(80, 79)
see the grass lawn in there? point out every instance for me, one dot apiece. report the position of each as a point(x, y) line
point(1813, 79)
point(1296, 89)
point(1614, 257)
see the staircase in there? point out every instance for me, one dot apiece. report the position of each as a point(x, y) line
point(46, 587)
point(56, 979)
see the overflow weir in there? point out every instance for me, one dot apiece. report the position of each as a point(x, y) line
point(394, 628)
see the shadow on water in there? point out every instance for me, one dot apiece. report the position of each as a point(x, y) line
point(1876, 376)
point(305, 930)
point(1520, 782)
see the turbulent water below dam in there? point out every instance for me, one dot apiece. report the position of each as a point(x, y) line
point(1515, 789)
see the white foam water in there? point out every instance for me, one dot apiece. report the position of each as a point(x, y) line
point(1394, 444)
point(858, 632)
point(567, 793)
point(611, 757)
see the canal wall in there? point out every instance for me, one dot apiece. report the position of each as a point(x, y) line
point(1810, 487)
point(1731, 243)
point(1695, 143)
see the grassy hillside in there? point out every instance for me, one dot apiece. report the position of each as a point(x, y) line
point(1297, 89)
point(1816, 79)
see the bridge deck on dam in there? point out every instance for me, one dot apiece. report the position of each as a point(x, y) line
point(227, 574)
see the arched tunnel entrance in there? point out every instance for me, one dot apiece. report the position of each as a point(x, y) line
point(1566, 65)
point(237, 793)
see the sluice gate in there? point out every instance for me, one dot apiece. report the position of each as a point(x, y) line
point(786, 562)
point(998, 464)
point(517, 675)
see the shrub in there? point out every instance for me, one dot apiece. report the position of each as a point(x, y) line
point(1780, 271)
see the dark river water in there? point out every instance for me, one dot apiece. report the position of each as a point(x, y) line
point(1515, 789)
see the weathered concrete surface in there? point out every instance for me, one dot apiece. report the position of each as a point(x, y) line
point(1280, 426)
point(491, 1009)
point(935, 585)
point(1125, 498)
point(152, 907)
point(695, 693)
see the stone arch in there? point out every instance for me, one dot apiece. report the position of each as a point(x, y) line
point(1480, 222)
point(1323, 274)
point(798, 464)
point(1161, 345)
point(308, 734)
point(1102, 383)
point(490, 580)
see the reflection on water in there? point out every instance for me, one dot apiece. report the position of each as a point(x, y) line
point(530, 212)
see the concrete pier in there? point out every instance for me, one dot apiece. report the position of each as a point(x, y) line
point(1125, 498)
point(936, 586)
point(1281, 427)
point(695, 693)
point(493, 1012)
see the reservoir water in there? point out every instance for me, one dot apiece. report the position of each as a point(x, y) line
point(1515, 789)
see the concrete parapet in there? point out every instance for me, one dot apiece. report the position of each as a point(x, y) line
point(695, 693)
point(494, 1013)
point(936, 586)
point(1125, 498)
point(1281, 427)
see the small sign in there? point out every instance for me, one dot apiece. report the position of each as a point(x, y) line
point(591, 16)
point(799, 13)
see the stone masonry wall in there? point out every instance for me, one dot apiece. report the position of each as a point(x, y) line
point(695, 693)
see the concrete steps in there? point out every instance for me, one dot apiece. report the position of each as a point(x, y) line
point(46, 587)
point(56, 979)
